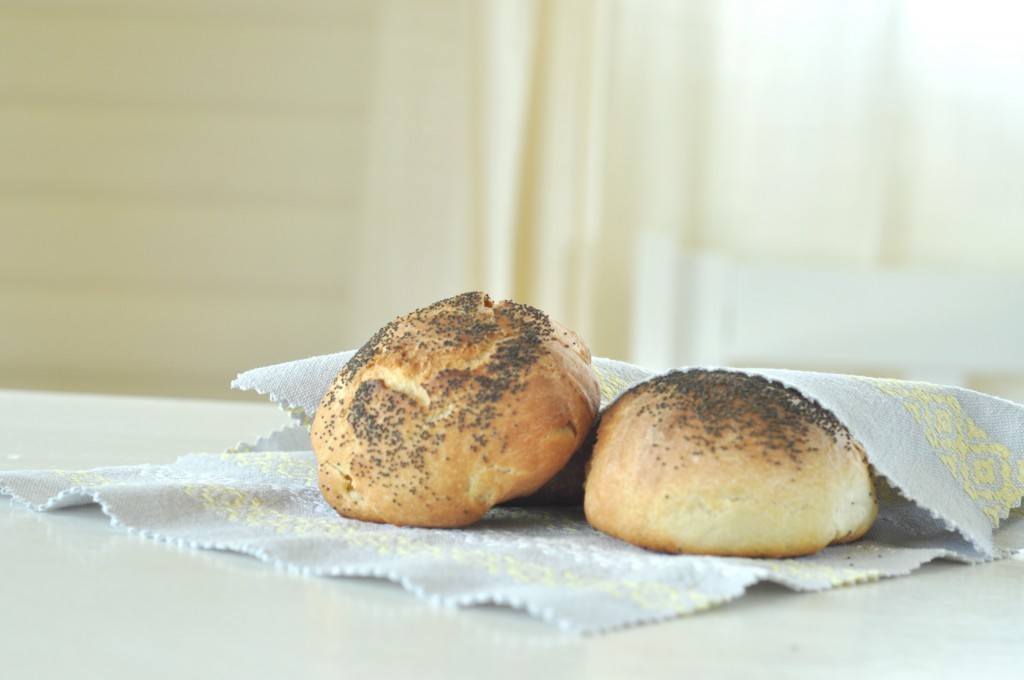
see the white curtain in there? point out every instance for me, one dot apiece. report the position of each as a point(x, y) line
point(520, 147)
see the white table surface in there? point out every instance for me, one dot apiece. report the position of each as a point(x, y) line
point(80, 599)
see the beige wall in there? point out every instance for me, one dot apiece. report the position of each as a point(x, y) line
point(180, 184)
point(189, 188)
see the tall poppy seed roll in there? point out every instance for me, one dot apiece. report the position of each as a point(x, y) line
point(452, 409)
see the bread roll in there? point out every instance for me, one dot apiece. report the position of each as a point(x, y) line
point(566, 487)
point(452, 409)
point(723, 463)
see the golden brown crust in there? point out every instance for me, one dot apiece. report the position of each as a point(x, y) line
point(451, 409)
point(566, 487)
point(723, 463)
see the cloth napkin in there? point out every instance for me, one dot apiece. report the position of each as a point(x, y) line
point(949, 465)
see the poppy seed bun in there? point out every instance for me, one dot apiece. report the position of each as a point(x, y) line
point(724, 463)
point(451, 409)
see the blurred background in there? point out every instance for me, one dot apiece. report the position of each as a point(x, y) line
point(189, 188)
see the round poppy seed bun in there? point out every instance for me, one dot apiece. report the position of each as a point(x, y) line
point(451, 409)
point(724, 463)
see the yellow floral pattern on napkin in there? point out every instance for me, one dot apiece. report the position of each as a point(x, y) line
point(987, 470)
